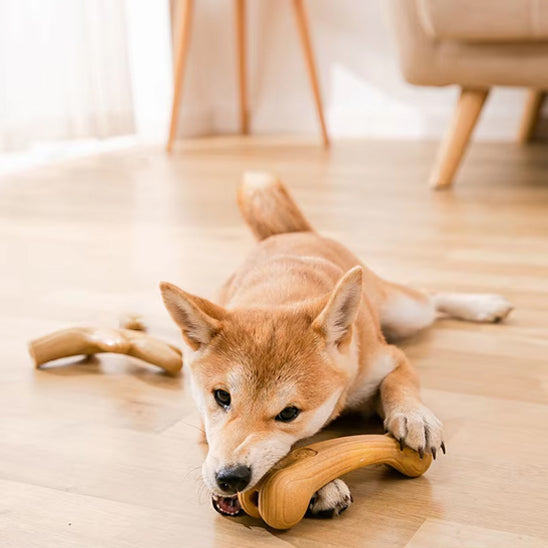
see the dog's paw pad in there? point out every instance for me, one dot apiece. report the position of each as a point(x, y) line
point(330, 501)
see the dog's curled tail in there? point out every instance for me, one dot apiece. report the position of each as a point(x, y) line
point(267, 206)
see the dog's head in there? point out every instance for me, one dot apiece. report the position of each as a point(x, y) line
point(265, 378)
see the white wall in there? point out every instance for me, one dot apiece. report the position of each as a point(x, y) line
point(150, 65)
point(363, 90)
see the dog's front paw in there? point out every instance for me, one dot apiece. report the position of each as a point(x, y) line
point(416, 427)
point(330, 501)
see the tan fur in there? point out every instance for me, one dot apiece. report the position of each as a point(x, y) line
point(298, 324)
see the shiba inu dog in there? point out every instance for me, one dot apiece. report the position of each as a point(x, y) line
point(298, 335)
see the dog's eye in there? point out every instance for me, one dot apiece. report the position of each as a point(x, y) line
point(288, 414)
point(222, 397)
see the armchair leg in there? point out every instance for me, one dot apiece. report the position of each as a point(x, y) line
point(458, 134)
point(240, 9)
point(180, 65)
point(304, 32)
point(533, 106)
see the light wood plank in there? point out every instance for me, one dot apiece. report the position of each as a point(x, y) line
point(458, 535)
point(112, 445)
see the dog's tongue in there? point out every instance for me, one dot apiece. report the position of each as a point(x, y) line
point(228, 506)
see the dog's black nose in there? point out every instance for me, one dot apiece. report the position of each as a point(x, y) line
point(233, 478)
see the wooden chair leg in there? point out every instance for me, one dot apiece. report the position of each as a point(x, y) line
point(181, 52)
point(302, 24)
point(458, 134)
point(531, 114)
point(240, 15)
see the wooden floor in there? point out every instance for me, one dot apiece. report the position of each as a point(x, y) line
point(105, 453)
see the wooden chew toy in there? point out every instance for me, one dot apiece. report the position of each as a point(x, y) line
point(91, 340)
point(282, 497)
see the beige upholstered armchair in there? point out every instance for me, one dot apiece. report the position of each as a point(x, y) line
point(476, 44)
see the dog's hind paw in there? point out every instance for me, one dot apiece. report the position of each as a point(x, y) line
point(474, 307)
point(330, 501)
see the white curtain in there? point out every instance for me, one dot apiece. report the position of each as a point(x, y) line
point(64, 71)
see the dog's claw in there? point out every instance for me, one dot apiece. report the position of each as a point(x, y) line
point(443, 447)
point(421, 452)
point(434, 452)
point(401, 444)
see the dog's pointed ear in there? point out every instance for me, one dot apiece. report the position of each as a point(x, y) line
point(337, 317)
point(199, 319)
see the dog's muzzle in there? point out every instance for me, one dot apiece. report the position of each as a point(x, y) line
point(231, 480)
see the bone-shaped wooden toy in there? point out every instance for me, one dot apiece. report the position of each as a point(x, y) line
point(92, 340)
point(282, 497)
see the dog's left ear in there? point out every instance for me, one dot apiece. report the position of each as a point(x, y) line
point(199, 319)
point(336, 319)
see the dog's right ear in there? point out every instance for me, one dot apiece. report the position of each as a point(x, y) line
point(199, 319)
point(337, 317)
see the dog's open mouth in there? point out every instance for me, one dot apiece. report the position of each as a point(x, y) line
point(227, 506)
